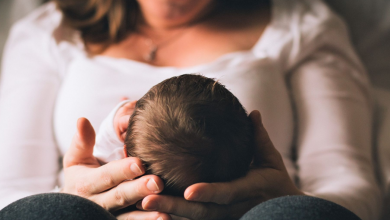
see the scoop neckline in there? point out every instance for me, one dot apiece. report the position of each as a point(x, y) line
point(255, 51)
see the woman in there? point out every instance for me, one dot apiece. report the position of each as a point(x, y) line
point(290, 59)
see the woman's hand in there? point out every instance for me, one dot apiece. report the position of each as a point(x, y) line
point(121, 119)
point(107, 185)
point(230, 200)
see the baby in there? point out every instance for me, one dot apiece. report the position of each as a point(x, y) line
point(190, 129)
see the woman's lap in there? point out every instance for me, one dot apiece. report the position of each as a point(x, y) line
point(59, 206)
point(299, 208)
point(64, 206)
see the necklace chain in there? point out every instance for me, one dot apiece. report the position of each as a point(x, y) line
point(151, 55)
point(153, 47)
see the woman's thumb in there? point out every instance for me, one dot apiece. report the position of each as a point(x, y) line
point(265, 152)
point(81, 148)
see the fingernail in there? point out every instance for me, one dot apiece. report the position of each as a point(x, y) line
point(152, 186)
point(191, 196)
point(139, 205)
point(160, 218)
point(135, 169)
point(151, 205)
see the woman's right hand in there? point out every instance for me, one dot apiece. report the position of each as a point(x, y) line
point(111, 185)
point(267, 179)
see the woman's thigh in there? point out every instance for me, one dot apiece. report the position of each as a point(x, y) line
point(299, 208)
point(55, 206)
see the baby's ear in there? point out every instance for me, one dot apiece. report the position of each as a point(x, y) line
point(125, 151)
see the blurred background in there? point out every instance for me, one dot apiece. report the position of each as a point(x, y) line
point(11, 11)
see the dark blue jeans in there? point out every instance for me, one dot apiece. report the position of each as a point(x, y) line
point(60, 206)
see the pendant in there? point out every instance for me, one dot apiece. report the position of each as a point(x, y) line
point(151, 56)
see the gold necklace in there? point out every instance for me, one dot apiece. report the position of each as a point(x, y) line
point(153, 47)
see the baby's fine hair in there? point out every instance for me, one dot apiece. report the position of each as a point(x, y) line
point(189, 129)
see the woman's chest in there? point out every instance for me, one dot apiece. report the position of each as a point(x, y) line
point(92, 89)
point(193, 45)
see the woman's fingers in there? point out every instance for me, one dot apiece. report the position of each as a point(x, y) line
point(251, 186)
point(114, 173)
point(141, 215)
point(180, 207)
point(129, 192)
point(259, 184)
point(81, 148)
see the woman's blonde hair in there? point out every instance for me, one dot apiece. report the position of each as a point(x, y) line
point(100, 21)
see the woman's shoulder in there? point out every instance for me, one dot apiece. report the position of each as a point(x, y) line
point(303, 22)
point(43, 20)
point(42, 30)
point(305, 15)
point(44, 25)
point(300, 27)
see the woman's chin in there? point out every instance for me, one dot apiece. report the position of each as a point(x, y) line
point(170, 14)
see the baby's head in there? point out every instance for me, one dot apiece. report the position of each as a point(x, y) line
point(190, 129)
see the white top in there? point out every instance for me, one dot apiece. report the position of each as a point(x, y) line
point(302, 75)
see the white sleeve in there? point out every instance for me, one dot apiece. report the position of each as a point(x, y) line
point(334, 128)
point(108, 146)
point(29, 158)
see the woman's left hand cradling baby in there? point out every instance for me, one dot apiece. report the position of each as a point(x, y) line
point(106, 185)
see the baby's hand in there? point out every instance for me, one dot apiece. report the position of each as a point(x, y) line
point(121, 119)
